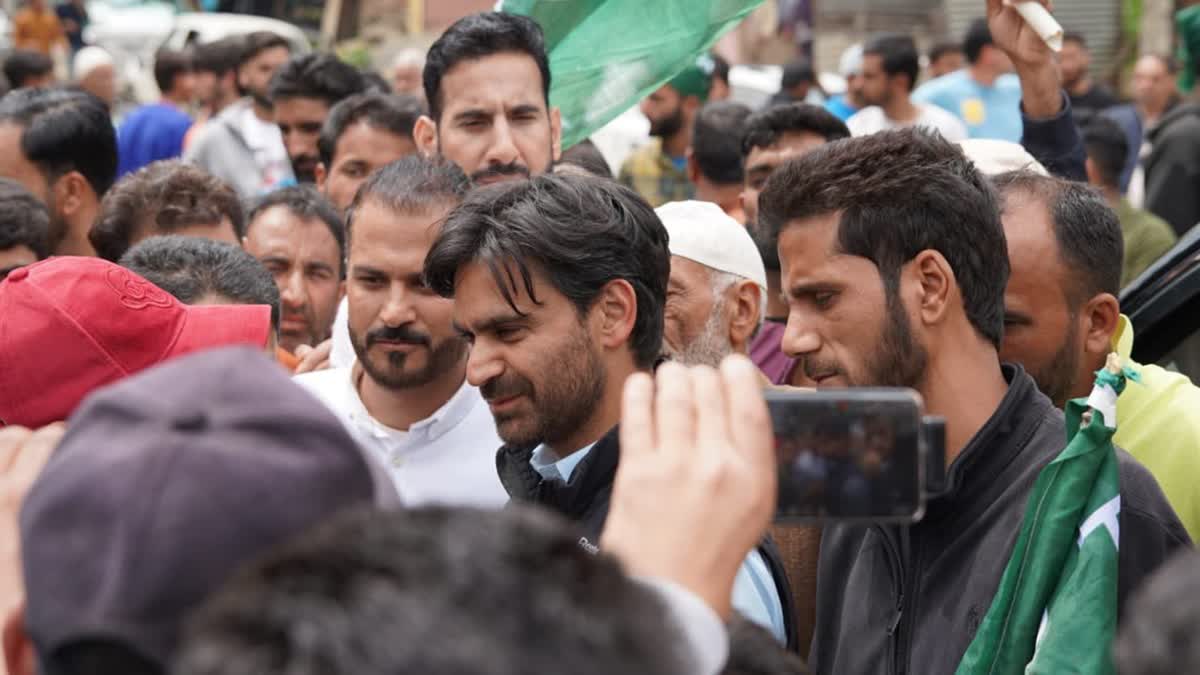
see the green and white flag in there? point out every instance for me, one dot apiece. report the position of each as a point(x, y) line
point(606, 55)
point(1056, 609)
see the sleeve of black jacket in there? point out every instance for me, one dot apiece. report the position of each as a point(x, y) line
point(1055, 142)
point(1150, 530)
point(1171, 183)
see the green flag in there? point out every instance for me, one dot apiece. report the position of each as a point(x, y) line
point(1056, 609)
point(606, 55)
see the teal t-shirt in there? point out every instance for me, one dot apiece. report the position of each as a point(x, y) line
point(989, 112)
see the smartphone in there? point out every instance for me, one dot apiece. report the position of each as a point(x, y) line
point(849, 455)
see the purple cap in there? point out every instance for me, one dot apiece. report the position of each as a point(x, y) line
point(164, 484)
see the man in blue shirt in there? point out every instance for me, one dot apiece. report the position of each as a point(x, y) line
point(985, 94)
point(156, 131)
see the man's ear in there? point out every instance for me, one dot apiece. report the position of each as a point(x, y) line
point(745, 311)
point(1093, 174)
point(934, 287)
point(72, 193)
point(1101, 315)
point(320, 173)
point(693, 167)
point(555, 134)
point(614, 314)
point(19, 657)
point(425, 135)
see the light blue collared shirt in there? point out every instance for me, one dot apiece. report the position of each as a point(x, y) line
point(755, 595)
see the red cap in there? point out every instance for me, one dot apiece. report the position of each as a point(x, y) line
point(69, 326)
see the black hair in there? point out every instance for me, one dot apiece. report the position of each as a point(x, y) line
point(191, 268)
point(64, 131)
point(716, 141)
point(23, 65)
point(943, 48)
point(376, 83)
point(394, 113)
point(899, 55)
point(978, 36)
point(475, 37)
point(1086, 230)
point(1076, 37)
point(411, 185)
point(720, 67)
point(1107, 147)
point(588, 157)
point(306, 203)
point(898, 193)
point(796, 73)
point(754, 651)
point(579, 232)
point(24, 220)
point(220, 56)
point(436, 591)
point(168, 65)
point(324, 77)
point(764, 128)
point(97, 657)
point(258, 42)
point(161, 198)
point(1158, 633)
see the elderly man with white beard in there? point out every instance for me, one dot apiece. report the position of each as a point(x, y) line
point(718, 288)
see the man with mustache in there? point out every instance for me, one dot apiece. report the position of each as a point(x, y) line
point(406, 398)
point(559, 284)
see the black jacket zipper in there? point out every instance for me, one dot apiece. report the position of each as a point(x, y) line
point(896, 563)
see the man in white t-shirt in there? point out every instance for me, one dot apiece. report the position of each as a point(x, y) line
point(891, 65)
point(406, 399)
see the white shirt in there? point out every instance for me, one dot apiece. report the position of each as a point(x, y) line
point(447, 458)
point(872, 120)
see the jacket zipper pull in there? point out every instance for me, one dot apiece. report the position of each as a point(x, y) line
point(896, 622)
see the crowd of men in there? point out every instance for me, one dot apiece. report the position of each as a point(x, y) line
point(331, 378)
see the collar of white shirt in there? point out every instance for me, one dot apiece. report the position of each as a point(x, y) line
point(431, 428)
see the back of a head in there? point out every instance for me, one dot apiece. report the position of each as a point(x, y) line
point(23, 66)
point(219, 56)
point(1087, 230)
point(764, 128)
point(579, 232)
point(158, 492)
point(24, 219)
point(899, 55)
point(64, 131)
point(323, 77)
point(798, 72)
point(413, 185)
point(588, 157)
point(169, 64)
point(162, 198)
point(434, 591)
point(1160, 634)
point(1107, 147)
point(478, 36)
point(196, 270)
point(393, 113)
point(978, 36)
point(899, 193)
point(716, 141)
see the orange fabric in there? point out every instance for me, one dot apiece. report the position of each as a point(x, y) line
point(37, 31)
point(286, 359)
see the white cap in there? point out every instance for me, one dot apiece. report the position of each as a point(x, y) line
point(852, 61)
point(993, 158)
point(89, 59)
point(703, 233)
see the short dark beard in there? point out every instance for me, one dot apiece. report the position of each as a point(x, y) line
point(1057, 379)
point(443, 356)
point(899, 361)
point(668, 126)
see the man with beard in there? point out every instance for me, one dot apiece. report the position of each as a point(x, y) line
point(659, 169)
point(718, 287)
point(406, 399)
point(299, 237)
point(888, 244)
point(559, 285)
point(61, 146)
point(487, 84)
point(242, 145)
point(1087, 96)
point(302, 92)
point(1062, 319)
point(771, 138)
point(891, 65)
